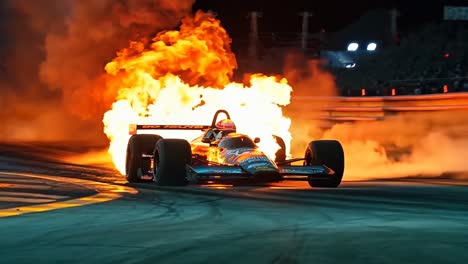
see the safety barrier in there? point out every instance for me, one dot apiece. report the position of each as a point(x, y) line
point(375, 108)
point(411, 87)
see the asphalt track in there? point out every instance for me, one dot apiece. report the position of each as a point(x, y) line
point(386, 221)
point(17, 190)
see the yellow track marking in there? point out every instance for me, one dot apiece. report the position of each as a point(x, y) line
point(106, 192)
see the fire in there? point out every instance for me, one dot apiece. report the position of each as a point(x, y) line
point(183, 77)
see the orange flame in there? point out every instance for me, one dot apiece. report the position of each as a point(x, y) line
point(183, 77)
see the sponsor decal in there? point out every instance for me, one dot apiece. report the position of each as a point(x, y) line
point(217, 170)
point(301, 170)
point(264, 168)
point(191, 127)
point(256, 159)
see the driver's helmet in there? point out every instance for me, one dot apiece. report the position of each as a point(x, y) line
point(224, 127)
point(226, 124)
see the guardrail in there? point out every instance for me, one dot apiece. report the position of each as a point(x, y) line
point(374, 107)
point(412, 87)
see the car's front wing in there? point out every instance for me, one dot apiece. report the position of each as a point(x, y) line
point(232, 172)
point(305, 172)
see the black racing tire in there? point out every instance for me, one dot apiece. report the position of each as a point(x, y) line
point(138, 145)
point(329, 153)
point(170, 159)
point(281, 153)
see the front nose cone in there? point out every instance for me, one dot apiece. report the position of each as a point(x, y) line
point(259, 166)
point(265, 172)
point(266, 176)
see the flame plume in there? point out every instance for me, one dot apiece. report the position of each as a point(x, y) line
point(183, 77)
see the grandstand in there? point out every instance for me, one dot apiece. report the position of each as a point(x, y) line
point(432, 59)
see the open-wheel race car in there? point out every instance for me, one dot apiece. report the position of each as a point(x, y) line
point(222, 154)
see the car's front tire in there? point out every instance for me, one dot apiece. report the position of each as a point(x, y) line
point(329, 153)
point(170, 159)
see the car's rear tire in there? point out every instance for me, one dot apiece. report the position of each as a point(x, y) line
point(138, 145)
point(329, 153)
point(281, 153)
point(170, 159)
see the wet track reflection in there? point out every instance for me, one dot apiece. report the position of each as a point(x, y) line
point(387, 221)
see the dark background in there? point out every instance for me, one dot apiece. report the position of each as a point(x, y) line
point(331, 15)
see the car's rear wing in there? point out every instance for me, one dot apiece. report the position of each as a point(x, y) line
point(133, 128)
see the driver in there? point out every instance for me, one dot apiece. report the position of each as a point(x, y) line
point(224, 127)
point(221, 129)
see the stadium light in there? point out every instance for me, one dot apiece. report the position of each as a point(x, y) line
point(371, 46)
point(353, 46)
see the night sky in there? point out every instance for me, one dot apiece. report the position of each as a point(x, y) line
point(331, 15)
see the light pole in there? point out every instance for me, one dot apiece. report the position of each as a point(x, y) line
point(394, 25)
point(305, 28)
point(253, 36)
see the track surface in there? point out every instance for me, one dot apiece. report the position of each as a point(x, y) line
point(17, 190)
point(404, 221)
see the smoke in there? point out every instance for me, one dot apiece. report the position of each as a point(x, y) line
point(422, 144)
point(410, 144)
point(54, 54)
point(307, 77)
point(308, 80)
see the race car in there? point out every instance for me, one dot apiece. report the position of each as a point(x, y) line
point(222, 154)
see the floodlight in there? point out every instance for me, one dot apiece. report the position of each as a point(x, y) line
point(371, 46)
point(353, 46)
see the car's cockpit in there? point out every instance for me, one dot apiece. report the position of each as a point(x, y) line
point(235, 141)
point(219, 130)
point(223, 134)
